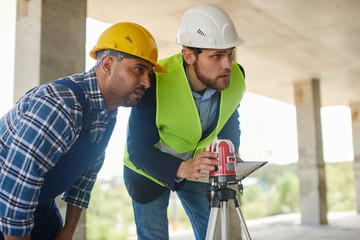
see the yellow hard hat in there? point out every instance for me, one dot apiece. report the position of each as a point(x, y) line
point(130, 38)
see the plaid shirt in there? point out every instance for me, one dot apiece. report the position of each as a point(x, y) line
point(34, 134)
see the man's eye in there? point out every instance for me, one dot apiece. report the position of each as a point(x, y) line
point(216, 57)
point(139, 69)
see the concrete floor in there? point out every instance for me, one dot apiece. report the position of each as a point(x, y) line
point(342, 225)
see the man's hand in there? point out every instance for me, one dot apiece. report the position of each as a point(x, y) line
point(64, 234)
point(203, 161)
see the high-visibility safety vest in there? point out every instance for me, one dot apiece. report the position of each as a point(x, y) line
point(177, 117)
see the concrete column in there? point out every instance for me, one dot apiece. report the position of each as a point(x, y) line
point(50, 43)
point(355, 116)
point(311, 164)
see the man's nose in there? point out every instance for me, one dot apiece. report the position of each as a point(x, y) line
point(145, 81)
point(227, 63)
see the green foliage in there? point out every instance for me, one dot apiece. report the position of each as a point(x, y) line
point(276, 191)
point(254, 202)
point(340, 186)
point(110, 213)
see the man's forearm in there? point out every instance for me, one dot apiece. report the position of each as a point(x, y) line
point(73, 215)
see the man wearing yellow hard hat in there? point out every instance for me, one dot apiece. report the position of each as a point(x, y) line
point(53, 141)
point(179, 116)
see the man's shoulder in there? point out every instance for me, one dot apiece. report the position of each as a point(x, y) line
point(171, 63)
point(241, 69)
point(57, 94)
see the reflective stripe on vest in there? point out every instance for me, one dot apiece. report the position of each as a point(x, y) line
point(183, 156)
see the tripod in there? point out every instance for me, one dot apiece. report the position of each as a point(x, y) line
point(219, 195)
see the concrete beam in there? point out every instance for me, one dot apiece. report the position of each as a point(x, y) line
point(311, 164)
point(355, 118)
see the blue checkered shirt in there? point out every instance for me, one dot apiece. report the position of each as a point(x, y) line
point(34, 134)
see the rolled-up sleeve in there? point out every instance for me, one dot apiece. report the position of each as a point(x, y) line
point(79, 193)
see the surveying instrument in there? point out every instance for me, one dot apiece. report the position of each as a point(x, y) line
point(228, 173)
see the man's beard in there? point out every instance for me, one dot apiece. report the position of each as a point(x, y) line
point(125, 99)
point(209, 82)
point(132, 103)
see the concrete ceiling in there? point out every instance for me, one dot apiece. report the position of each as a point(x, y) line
point(285, 40)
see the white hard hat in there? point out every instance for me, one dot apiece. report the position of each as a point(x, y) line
point(207, 26)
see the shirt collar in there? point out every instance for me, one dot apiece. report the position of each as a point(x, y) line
point(207, 94)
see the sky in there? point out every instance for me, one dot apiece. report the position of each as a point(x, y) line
point(268, 126)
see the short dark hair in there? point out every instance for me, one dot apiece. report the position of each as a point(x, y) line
point(196, 50)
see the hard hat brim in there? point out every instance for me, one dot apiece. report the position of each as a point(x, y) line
point(157, 67)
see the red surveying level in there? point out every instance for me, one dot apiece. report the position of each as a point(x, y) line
point(226, 150)
point(226, 172)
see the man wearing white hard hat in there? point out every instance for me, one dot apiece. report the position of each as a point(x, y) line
point(179, 116)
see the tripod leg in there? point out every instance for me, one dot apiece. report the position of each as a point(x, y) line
point(242, 220)
point(210, 232)
point(224, 221)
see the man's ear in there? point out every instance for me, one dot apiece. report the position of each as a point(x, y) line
point(106, 64)
point(189, 56)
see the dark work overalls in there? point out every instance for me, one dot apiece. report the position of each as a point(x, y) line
point(66, 171)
